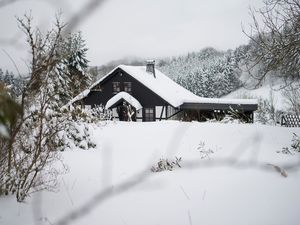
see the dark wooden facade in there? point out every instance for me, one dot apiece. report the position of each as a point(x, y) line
point(103, 92)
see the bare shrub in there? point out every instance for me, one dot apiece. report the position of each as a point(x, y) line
point(166, 164)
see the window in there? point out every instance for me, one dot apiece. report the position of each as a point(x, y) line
point(171, 111)
point(128, 87)
point(116, 87)
point(149, 114)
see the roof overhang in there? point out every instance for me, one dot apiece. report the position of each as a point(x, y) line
point(219, 106)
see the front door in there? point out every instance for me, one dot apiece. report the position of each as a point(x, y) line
point(126, 112)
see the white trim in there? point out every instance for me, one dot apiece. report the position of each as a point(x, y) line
point(127, 97)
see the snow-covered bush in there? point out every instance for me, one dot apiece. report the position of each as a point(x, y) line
point(78, 135)
point(231, 116)
point(291, 95)
point(96, 114)
point(166, 164)
point(267, 113)
point(99, 112)
point(295, 146)
point(295, 143)
point(31, 150)
point(231, 119)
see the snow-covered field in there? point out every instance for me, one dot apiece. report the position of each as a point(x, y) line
point(226, 178)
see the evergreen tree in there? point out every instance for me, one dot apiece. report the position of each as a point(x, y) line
point(77, 63)
point(1, 75)
point(71, 71)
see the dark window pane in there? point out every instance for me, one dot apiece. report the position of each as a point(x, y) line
point(128, 87)
point(116, 87)
point(149, 114)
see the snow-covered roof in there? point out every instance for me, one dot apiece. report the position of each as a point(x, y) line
point(166, 88)
point(162, 85)
point(77, 98)
point(125, 96)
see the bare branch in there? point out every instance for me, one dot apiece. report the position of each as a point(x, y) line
point(80, 17)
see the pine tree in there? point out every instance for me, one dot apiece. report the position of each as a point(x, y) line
point(77, 63)
point(71, 75)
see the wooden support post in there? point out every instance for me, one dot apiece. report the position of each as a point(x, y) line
point(162, 111)
point(166, 111)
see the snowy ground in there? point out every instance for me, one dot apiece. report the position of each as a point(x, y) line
point(234, 185)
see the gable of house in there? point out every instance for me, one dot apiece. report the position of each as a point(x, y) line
point(117, 81)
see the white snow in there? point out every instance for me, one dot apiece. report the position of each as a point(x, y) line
point(127, 97)
point(236, 186)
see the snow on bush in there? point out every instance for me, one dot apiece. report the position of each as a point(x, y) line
point(296, 143)
point(93, 115)
point(226, 119)
point(166, 164)
point(78, 135)
point(294, 148)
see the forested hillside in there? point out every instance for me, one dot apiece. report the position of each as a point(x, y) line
point(207, 73)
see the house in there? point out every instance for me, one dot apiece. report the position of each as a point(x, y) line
point(143, 93)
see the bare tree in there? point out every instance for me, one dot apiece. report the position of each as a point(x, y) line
point(292, 97)
point(276, 43)
point(36, 137)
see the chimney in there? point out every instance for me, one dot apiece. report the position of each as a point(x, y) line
point(150, 67)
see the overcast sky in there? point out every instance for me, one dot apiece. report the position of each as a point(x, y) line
point(133, 28)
